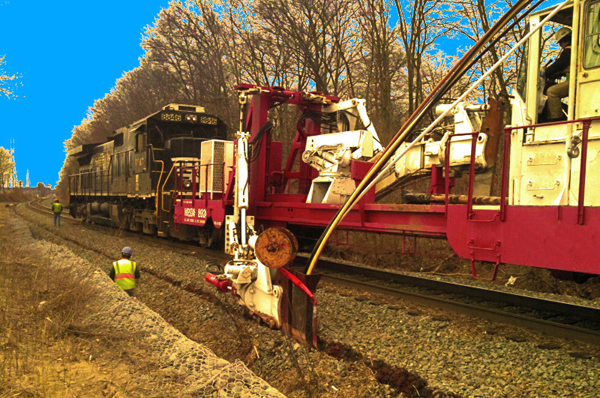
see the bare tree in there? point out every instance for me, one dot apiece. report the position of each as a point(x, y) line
point(254, 54)
point(320, 35)
point(476, 18)
point(6, 167)
point(4, 78)
point(421, 23)
point(188, 42)
point(381, 60)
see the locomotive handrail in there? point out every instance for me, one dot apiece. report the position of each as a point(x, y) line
point(474, 136)
point(582, 171)
point(507, 130)
point(86, 188)
point(162, 169)
point(151, 147)
point(580, 120)
point(192, 169)
point(162, 205)
point(196, 189)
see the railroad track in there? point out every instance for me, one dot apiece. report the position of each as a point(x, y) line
point(192, 248)
point(36, 205)
point(189, 249)
point(552, 317)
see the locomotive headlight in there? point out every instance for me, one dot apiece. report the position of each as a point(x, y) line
point(187, 184)
point(191, 118)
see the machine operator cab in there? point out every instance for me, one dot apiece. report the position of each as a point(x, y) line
point(545, 160)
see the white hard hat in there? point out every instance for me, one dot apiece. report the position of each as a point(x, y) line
point(562, 33)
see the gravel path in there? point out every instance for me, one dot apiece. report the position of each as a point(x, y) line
point(212, 318)
point(419, 352)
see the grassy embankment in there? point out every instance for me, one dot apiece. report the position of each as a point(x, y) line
point(48, 349)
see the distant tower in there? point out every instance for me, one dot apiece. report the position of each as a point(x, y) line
point(27, 179)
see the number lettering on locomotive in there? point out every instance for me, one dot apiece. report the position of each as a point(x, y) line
point(208, 120)
point(171, 117)
point(190, 212)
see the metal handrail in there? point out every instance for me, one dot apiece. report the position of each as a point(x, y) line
point(474, 136)
point(505, 165)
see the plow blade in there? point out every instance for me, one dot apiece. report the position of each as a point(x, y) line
point(299, 306)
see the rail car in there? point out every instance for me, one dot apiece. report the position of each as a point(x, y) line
point(129, 180)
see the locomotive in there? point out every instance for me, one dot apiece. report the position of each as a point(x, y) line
point(129, 180)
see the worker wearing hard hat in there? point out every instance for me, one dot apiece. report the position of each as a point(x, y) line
point(56, 209)
point(557, 69)
point(125, 272)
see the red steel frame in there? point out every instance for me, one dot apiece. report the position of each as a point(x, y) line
point(554, 237)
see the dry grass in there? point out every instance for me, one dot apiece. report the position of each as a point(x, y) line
point(39, 309)
point(48, 349)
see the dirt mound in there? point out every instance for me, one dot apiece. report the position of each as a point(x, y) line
point(15, 195)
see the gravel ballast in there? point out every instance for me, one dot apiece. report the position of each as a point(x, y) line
point(432, 354)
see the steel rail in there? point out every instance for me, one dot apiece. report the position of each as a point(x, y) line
point(550, 308)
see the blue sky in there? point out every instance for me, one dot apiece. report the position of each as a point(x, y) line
point(68, 54)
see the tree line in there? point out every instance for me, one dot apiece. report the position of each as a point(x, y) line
point(7, 165)
point(197, 50)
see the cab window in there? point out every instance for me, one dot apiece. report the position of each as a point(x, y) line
point(592, 36)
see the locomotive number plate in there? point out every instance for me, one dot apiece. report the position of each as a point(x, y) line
point(190, 213)
point(208, 120)
point(170, 117)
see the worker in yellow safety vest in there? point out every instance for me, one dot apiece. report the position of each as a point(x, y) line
point(56, 209)
point(125, 272)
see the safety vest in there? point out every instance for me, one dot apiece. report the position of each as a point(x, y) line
point(124, 273)
point(56, 208)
